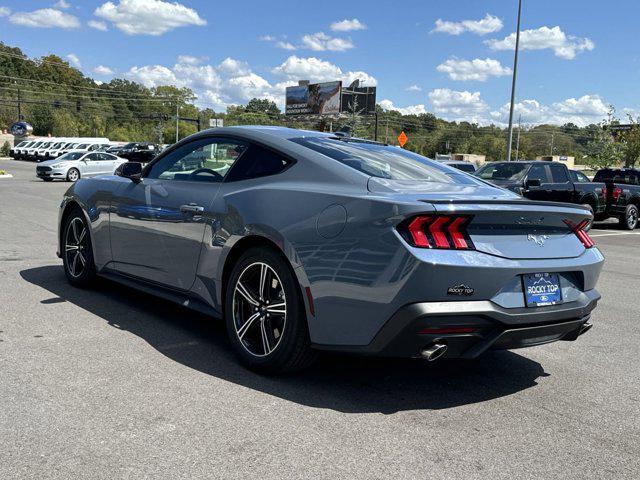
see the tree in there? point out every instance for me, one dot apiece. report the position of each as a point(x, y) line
point(262, 105)
point(602, 151)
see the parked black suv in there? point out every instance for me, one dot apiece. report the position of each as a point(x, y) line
point(139, 152)
point(623, 199)
point(544, 180)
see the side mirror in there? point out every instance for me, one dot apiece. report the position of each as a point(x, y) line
point(130, 170)
point(532, 182)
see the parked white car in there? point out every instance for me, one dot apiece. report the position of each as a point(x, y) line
point(76, 164)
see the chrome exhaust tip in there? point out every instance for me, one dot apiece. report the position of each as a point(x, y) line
point(434, 351)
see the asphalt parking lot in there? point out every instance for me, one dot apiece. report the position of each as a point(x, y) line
point(111, 383)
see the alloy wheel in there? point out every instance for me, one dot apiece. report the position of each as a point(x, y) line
point(259, 309)
point(632, 218)
point(75, 247)
point(73, 175)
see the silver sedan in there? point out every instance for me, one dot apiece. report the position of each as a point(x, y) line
point(77, 164)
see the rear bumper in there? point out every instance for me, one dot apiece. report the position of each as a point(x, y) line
point(493, 327)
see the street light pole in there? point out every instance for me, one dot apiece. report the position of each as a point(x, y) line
point(513, 84)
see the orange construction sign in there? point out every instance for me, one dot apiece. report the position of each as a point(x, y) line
point(402, 138)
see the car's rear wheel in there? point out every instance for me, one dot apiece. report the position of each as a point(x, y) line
point(77, 254)
point(265, 315)
point(629, 220)
point(73, 175)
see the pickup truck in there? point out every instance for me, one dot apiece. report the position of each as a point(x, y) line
point(623, 198)
point(544, 180)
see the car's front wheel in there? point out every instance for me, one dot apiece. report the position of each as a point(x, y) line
point(77, 254)
point(73, 175)
point(265, 314)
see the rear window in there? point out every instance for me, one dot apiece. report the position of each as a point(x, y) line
point(379, 160)
point(511, 171)
point(465, 167)
point(628, 177)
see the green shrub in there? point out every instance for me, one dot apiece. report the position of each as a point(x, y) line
point(4, 150)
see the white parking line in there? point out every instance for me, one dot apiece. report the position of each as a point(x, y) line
point(609, 234)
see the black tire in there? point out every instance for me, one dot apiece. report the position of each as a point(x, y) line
point(629, 220)
point(292, 351)
point(590, 208)
point(73, 175)
point(79, 273)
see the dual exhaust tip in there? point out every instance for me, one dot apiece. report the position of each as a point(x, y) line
point(433, 351)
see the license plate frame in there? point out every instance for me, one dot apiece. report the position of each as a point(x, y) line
point(541, 289)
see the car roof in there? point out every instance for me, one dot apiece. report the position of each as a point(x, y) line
point(273, 131)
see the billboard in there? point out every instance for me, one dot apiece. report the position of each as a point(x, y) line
point(313, 99)
point(359, 100)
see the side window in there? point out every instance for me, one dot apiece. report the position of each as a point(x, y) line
point(558, 174)
point(538, 172)
point(582, 178)
point(257, 162)
point(206, 160)
point(92, 157)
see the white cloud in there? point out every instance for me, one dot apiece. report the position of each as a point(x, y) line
point(348, 25)
point(488, 24)
point(297, 68)
point(320, 41)
point(286, 45)
point(190, 59)
point(98, 25)
point(458, 105)
point(413, 88)
point(62, 4)
point(45, 18)
point(563, 45)
point(477, 69)
point(267, 38)
point(581, 111)
point(409, 110)
point(148, 17)
point(74, 60)
point(5, 11)
point(103, 70)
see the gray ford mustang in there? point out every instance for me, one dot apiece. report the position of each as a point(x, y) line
point(305, 241)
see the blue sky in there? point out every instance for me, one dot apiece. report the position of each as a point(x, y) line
point(453, 59)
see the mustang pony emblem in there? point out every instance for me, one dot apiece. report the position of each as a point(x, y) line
point(538, 239)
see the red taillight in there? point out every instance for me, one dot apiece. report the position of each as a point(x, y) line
point(438, 231)
point(581, 233)
point(616, 193)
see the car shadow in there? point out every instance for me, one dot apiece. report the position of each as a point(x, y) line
point(344, 383)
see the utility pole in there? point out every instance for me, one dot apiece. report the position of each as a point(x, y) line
point(513, 84)
point(386, 133)
point(177, 119)
point(375, 131)
point(518, 139)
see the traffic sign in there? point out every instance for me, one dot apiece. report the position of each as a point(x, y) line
point(402, 138)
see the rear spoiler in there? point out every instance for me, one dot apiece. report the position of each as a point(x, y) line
point(535, 203)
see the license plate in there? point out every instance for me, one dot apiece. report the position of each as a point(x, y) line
point(541, 289)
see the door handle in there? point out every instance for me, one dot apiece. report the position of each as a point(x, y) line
point(191, 208)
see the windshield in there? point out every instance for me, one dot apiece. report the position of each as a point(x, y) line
point(46, 145)
point(37, 144)
point(502, 171)
point(71, 156)
point(21, 144)
point(82, 146)
point(379, 160)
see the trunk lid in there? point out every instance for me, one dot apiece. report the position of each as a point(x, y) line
point(522, 229)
